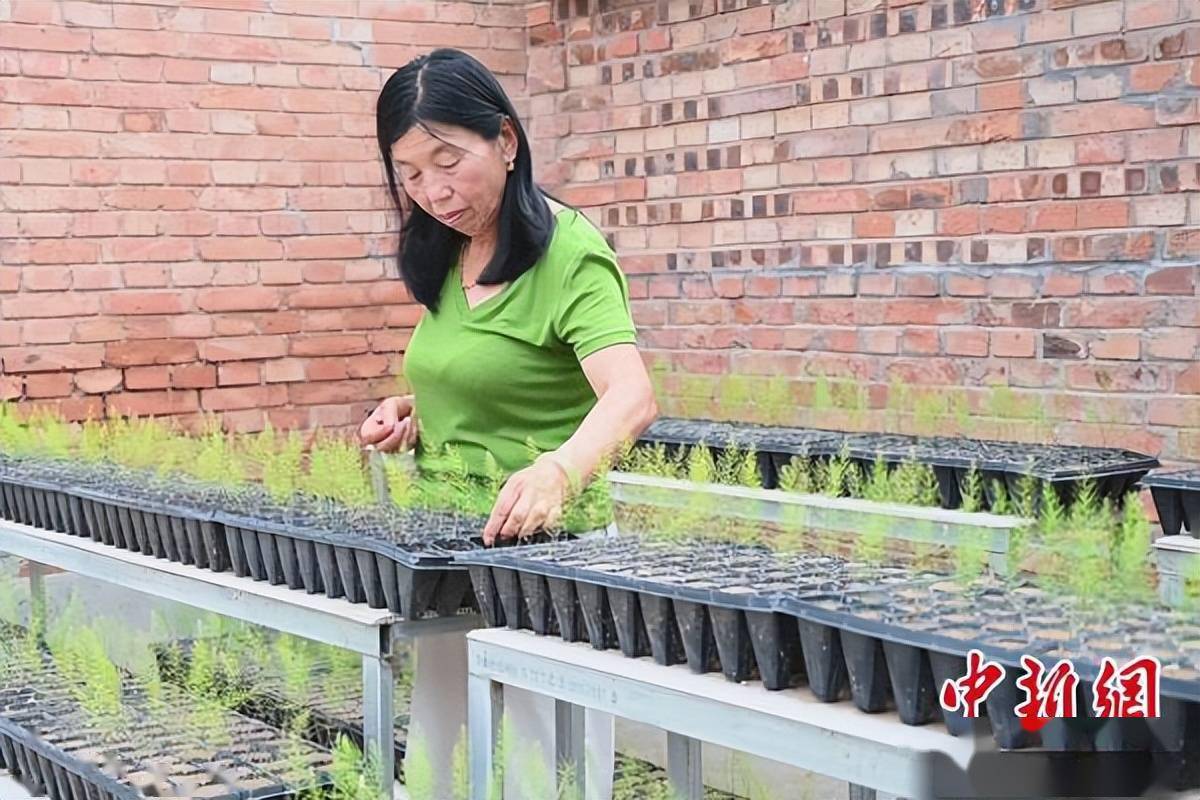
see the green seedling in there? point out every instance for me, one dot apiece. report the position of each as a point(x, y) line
point(355, 776)
point(878, 485)
point(797, 476)
point(970, 561)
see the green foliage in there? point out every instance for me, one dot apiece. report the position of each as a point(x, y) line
point(970, 561)
point(1053, 516)
point(1028, 492)
point(282, 464)
point(878, 485)
point(796, 476)
point(1000, 502)
point(16, 438)
point(295, 658)
point(747, 470)
point(355, 776)
point(701, 468)
point(870, 546)
point(91, 677)
point(914, 484)
point(972, 490)
point(834, 475)
point(1131, 568)
point(336, 472)
point(460, 778)
point(419, 778)
point(213, 459)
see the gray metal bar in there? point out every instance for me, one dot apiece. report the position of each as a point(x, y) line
point(570, 744)
point(334, 622)
point(485, 713)
point(792, 727)
point(685, 767)
point(379, 711)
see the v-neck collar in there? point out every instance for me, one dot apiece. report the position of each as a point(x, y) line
point(460, 294)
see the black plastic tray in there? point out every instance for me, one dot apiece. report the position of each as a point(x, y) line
point(1177, 498)
point(360, 568)
point(44, 769)
point(1115, 471)
point(784, 639)
point(272, 709)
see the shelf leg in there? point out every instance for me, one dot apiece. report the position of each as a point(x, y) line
point(379, 712)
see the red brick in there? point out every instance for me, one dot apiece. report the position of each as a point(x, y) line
point(1013, 343)
point(283, 370)
point(330, 369)
point(193, 376)
point(1179, 412)
point(46, 358)
point(965, 342)
point(157, 403)
point(134, 353)
point(238, 373)
point(127, 302)
point(158, 377)
point(1172, 280)
point(240, 249)
point(48, 384)
point(243, 348)
point(246, 298)
point(97, 382)
point(1117, 346)
point(243, 397)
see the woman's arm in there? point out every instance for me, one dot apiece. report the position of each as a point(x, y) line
point(625, 406)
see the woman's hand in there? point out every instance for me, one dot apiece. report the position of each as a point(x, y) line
point(392, 426)
point(531, 499)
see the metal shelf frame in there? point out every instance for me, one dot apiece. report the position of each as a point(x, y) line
point(873, 752)
point(372, 633)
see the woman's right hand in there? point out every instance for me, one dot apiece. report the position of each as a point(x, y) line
point(392, 426)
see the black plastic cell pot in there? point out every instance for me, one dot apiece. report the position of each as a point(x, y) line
point(823, 661)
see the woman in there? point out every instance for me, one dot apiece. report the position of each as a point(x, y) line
point(528, 335)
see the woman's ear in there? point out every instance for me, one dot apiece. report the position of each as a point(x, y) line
point(508, 139)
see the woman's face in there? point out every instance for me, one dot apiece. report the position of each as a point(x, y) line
point(455, 176)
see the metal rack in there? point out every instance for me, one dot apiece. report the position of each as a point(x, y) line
point(370, 632)
point(872, 752)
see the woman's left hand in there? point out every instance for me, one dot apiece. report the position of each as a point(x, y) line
point(531, 499)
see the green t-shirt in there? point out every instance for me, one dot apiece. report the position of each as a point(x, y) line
point(488, 378)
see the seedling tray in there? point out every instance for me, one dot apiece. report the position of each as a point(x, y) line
point(775, 446)
point(43, 769)
point(50, 745)
point(265, 703)
point(1177, 498)
point(412, 578)
point(882, 637)
point(1115, 471)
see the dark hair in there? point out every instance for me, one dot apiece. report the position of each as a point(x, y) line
point(451, 87)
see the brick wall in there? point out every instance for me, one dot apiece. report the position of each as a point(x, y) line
point(904, 194)
point(911, 201)
point(192, 211)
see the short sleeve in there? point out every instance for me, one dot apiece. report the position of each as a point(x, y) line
point(593, 309)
